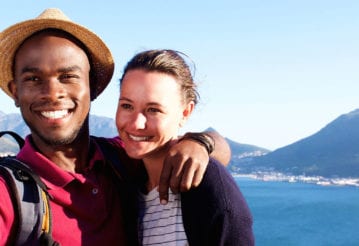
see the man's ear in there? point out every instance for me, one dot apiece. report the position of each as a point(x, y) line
point(13, 89)
point(187, 111)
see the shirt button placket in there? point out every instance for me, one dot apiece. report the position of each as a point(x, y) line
point(95, 191)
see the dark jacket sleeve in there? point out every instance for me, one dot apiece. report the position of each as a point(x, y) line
point(216, 213)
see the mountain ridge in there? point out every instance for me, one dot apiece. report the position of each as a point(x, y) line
point(331, 152)
point(99, 126)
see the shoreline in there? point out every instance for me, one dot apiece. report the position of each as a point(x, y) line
point(318, 180)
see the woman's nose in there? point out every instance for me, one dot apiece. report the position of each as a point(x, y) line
point(139, 121)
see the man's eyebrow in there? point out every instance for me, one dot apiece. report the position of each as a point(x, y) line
point(69, 69)
point(62, 70)
point(29, 70)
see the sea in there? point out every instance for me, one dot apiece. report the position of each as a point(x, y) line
point(286, 213)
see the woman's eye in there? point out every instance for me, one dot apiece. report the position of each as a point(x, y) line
point(126, 106)
point(153, 110)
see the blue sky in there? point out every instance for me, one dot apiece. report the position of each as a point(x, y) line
point(269, 72)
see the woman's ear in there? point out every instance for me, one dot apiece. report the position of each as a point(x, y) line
point(13, 89)
point(187, 111)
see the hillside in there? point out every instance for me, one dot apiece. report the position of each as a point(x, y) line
point(242, 152)
point(8, 145)
point(99, 126)
point(331, 152)
point(103, 126)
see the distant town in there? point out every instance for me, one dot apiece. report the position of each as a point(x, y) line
point(274, 176)
point(328, 157)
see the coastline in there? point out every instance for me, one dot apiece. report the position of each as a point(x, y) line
point(319, 180)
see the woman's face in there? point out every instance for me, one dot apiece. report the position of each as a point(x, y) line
point(150, 112)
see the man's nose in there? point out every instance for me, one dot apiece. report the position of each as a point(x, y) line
point(53, 89)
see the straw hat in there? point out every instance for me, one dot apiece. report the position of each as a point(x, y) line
point(12, 37)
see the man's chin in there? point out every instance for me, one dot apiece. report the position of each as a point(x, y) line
point(56, 140)
point(59, 141)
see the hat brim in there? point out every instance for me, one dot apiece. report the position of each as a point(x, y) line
point(14, 36)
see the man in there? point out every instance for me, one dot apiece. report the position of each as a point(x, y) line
point(53, 69)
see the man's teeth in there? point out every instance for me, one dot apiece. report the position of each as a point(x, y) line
point(135, 138)
point(54, 114)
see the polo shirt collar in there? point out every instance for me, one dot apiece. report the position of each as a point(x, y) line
point(53, 176)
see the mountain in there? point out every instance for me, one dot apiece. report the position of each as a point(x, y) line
point(13, 122)
point(243, 152)
point(240, 151)
point(8, 145)
point(331, 152)
point(102, 126)
point(99, 126)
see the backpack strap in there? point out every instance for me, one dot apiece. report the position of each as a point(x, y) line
point(31, 202)
point(30, 198)
point(16, 136)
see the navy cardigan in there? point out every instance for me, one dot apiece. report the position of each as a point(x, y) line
point(216, 213)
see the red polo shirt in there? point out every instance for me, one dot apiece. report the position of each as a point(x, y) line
point(85, 207)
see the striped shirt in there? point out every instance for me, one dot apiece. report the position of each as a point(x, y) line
point(161, 224)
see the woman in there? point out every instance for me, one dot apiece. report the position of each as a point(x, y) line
point(157, 97)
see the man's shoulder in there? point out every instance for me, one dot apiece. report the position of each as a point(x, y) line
point(111, 147)
point(113, 151)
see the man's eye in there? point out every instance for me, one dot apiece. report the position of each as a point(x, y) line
point(31, 78)
point(69, 76)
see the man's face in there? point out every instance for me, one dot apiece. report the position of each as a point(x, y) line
point(51, 87)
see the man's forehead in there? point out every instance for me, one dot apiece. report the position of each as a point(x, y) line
point(54, 34)
point(49, 47)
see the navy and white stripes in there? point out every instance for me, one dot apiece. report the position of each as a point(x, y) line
point(161, 224)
